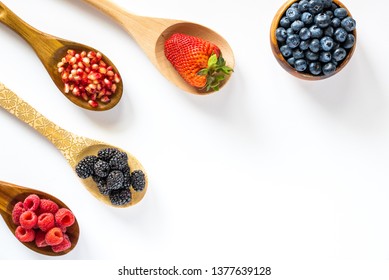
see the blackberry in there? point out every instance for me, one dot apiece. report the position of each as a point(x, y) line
point(126, 177)
point(103, 188)
point(107, 154)
point(120, 197)
point(84, 168)
point(115, 180)
point(119, 161)
point(138, 180)
point(101, 168)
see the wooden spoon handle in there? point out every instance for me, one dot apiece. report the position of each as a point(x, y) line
point(42, 43)
point(67, 143)
point(7, 193)
point(145, 30)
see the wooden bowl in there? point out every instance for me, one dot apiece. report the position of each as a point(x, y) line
point(281, 60)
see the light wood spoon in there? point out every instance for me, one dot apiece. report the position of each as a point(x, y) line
point(73, 147)
point(151, 33)
point(10, 194)
point(50, 51)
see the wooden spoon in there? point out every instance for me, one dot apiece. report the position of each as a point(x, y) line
point(10, 194)
point(50, 51)
point(73, 147)
point(151, 33)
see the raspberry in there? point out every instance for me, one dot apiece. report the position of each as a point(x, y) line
point(16, 212)
point(46, 221)
point(28, 219)
point(31, 202)
point(64, 245)
point(64, 217)
point(54, 236)
point(24, 235)
point(48, 206)
point(40, 239)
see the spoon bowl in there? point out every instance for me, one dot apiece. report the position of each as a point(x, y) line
point(73, 147)
point(51, 50)
point(10, 194)
point(151, 33)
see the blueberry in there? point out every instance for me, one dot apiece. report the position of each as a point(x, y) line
point(315, 68)
point(350, 41)
point(340, 35)
point(292, 14)
point(289, 31)
point(286, 51)
point(304, 45)
point(339, 54)
point(291, 61)
point(295, 5)
point(322, 20)
point(348, 24)
point(326, 43)
point(304, 34)
point(293, 41)
point(300, 65)
point(285, 22)
point(329, 31)
point(334, 7)
point(314, 46)
point(307, 18)
point(298, 54)
point(297, 25)
point(340, 13)
point(312, 56)
point(330, 14)
point(303, 6)
point(316, 31)
point(328, 68)
point(315, 6)
point(325, 57)
point(336, 22)
point(327, 3)
point(281, 34)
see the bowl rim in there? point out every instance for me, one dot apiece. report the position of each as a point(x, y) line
point(281, 60)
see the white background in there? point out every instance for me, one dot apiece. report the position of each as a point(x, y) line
point(270, 168)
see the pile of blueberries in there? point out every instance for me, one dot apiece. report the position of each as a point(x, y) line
point(315, 36)
point(112, 175)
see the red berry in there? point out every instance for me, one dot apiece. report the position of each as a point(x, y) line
point(64, 245)
point(40, 240)
point(16, 212)
point(54, 236)
point(28, 219)
point(24, 235)
point(46, 221)
point(48, 206)
point(31, 202)
point(64, 217)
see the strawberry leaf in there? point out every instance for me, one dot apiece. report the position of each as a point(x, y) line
point(212, 60)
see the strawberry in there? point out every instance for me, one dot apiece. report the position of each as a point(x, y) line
point(199, 62)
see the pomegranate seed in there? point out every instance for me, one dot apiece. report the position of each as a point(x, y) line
point(117, 78)
point(93, 103)
point(113, 88)
point(102, 70)
point(95, 66)
point(67, 88)
point(61, 69)
point(99, 55)
point(110, 73)
point(76, 91)
point(83, 54)
point(73, 60)
point(84, 96)
point(71, 52)
point(105, 99)
point(86, 61)
point(91, 54)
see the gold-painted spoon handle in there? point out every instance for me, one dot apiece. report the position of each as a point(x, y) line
point(67, 143)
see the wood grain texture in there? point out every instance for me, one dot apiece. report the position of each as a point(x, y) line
point(151, 33)
point(281, 60)
point(73, 147)
point(50, 50)
point(10, 194)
